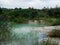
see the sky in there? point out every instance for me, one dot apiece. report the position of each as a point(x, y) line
point(38, 4)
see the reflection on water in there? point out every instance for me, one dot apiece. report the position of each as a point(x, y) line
point(23, 35)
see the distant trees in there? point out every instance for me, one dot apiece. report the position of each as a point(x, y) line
point(0, 10)
point(18, 14)
point(54, 12)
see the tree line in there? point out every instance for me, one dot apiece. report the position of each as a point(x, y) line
point(20, 15)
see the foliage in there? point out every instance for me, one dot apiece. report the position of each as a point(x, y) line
point(57, 22)
point(5, 32)
point(19, 15)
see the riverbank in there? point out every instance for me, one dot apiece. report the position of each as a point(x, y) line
point(45, 29)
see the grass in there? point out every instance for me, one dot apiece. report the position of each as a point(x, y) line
point(52, 21)
point(47, 42)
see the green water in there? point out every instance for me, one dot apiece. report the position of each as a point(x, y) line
point(32, 25)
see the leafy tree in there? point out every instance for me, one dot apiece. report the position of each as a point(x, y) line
point(0, 10)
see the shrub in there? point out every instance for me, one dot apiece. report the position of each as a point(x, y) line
point(57, 22)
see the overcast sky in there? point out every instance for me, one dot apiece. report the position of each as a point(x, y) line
point(29, 3)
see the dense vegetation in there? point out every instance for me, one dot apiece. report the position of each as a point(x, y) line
point(19, 15)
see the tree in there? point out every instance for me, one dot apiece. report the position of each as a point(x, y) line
point(0, 10)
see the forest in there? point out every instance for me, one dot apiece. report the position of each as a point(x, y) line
point(19, 15)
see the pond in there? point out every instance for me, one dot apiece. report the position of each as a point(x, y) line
point(23, 34)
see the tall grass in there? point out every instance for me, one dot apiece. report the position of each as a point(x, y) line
point(47, 42)
point(5, 31)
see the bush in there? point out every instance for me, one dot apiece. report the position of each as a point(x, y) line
point(50, 21)
point(57, 22)
point(19, 20)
